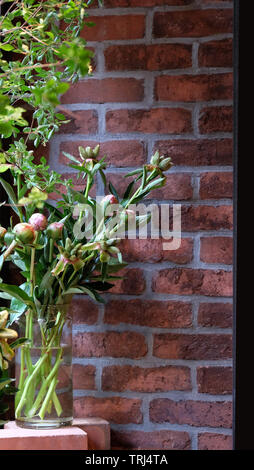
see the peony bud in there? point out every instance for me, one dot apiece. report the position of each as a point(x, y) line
point(89, 152)
point(165, 164)
point(25, 233)
point(104, 257)
point(96, 150)
point(110, 198)
point(38, 221)
point(155, 158)
point(2, 232)
point(55, 230)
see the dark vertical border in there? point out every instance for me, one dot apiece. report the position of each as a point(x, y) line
point(243, 232)
point(236, 408)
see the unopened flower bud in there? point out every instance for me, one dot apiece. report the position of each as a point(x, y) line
point(2, 233)
point(96, 150)
point(165, 164)
point(110, 198)
point(104, 257)
point(155, 158)
point(55, 230)
point(38, 221)
point(25, 233)
point(89, 152)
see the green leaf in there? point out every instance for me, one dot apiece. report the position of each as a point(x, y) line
point(12, 197)
point(19, 342)
point(113, 190)
point(16, 292)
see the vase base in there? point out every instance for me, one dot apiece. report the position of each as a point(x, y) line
point(43, 424)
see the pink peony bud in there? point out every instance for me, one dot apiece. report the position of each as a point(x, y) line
point(110, 198)
point(2, 232)
point(25, 233)
point(55, 230)
point(38, 221)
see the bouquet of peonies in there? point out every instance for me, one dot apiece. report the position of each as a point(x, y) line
point(60, 249)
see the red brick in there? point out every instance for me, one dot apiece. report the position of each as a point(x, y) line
point(98, 432)
point(195, 218)
point(81, 122)
point(177, 187)
point(111, 343)
point(193, 88)
point(84, 377)
point(114, 27)
point(154, 120)
point(210, 441)
point(151, 251)
point(105, 91)
point(218, 315)
point(133, 282)
point(84, 311)
point(187, 281)
point(216, 119)
point(192, 23)
point(197, 152)
point(215, 185)
point(115, 409)
point(148, 57)
point(192, 346)
point(140, 440)
point(120, 153)
point(41, 151)
point(195, 413)
point(216, 53)
point(152, 313)
point(145, 3)
point(217, 250)
point(214, 380)
point(146, 380)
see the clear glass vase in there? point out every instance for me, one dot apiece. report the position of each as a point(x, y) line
point(44, 370)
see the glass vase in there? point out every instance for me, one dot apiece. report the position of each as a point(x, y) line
point(44, 369)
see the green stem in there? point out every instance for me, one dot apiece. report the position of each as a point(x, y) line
point(45, 386)
point(48, 398)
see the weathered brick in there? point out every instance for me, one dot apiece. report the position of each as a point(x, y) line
point(120, 153)
point(187, 281)
point(216, 250)
point(115, 27)
point(214, 380)
point(153, 120)
point(195, 218)
point(194, 88)
point(192, 23)
point(84, 377)
point(81, 122)
point(147, 380)
point(216, 53)
point(105, 91)
point(114, 409)
point(216, 185)
point(133, 282)
point(219, 315)
point(195, 413)
point(177, 187)
point(216, 119)
point(151, 251)
point(197, 152)
point(84, 311)
point(139, 440)
point(192, 346)
point(152, 313)
point(111, 343)
point(148, 57)
point(212, 441)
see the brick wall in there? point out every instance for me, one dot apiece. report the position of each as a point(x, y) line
point(156, 360)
